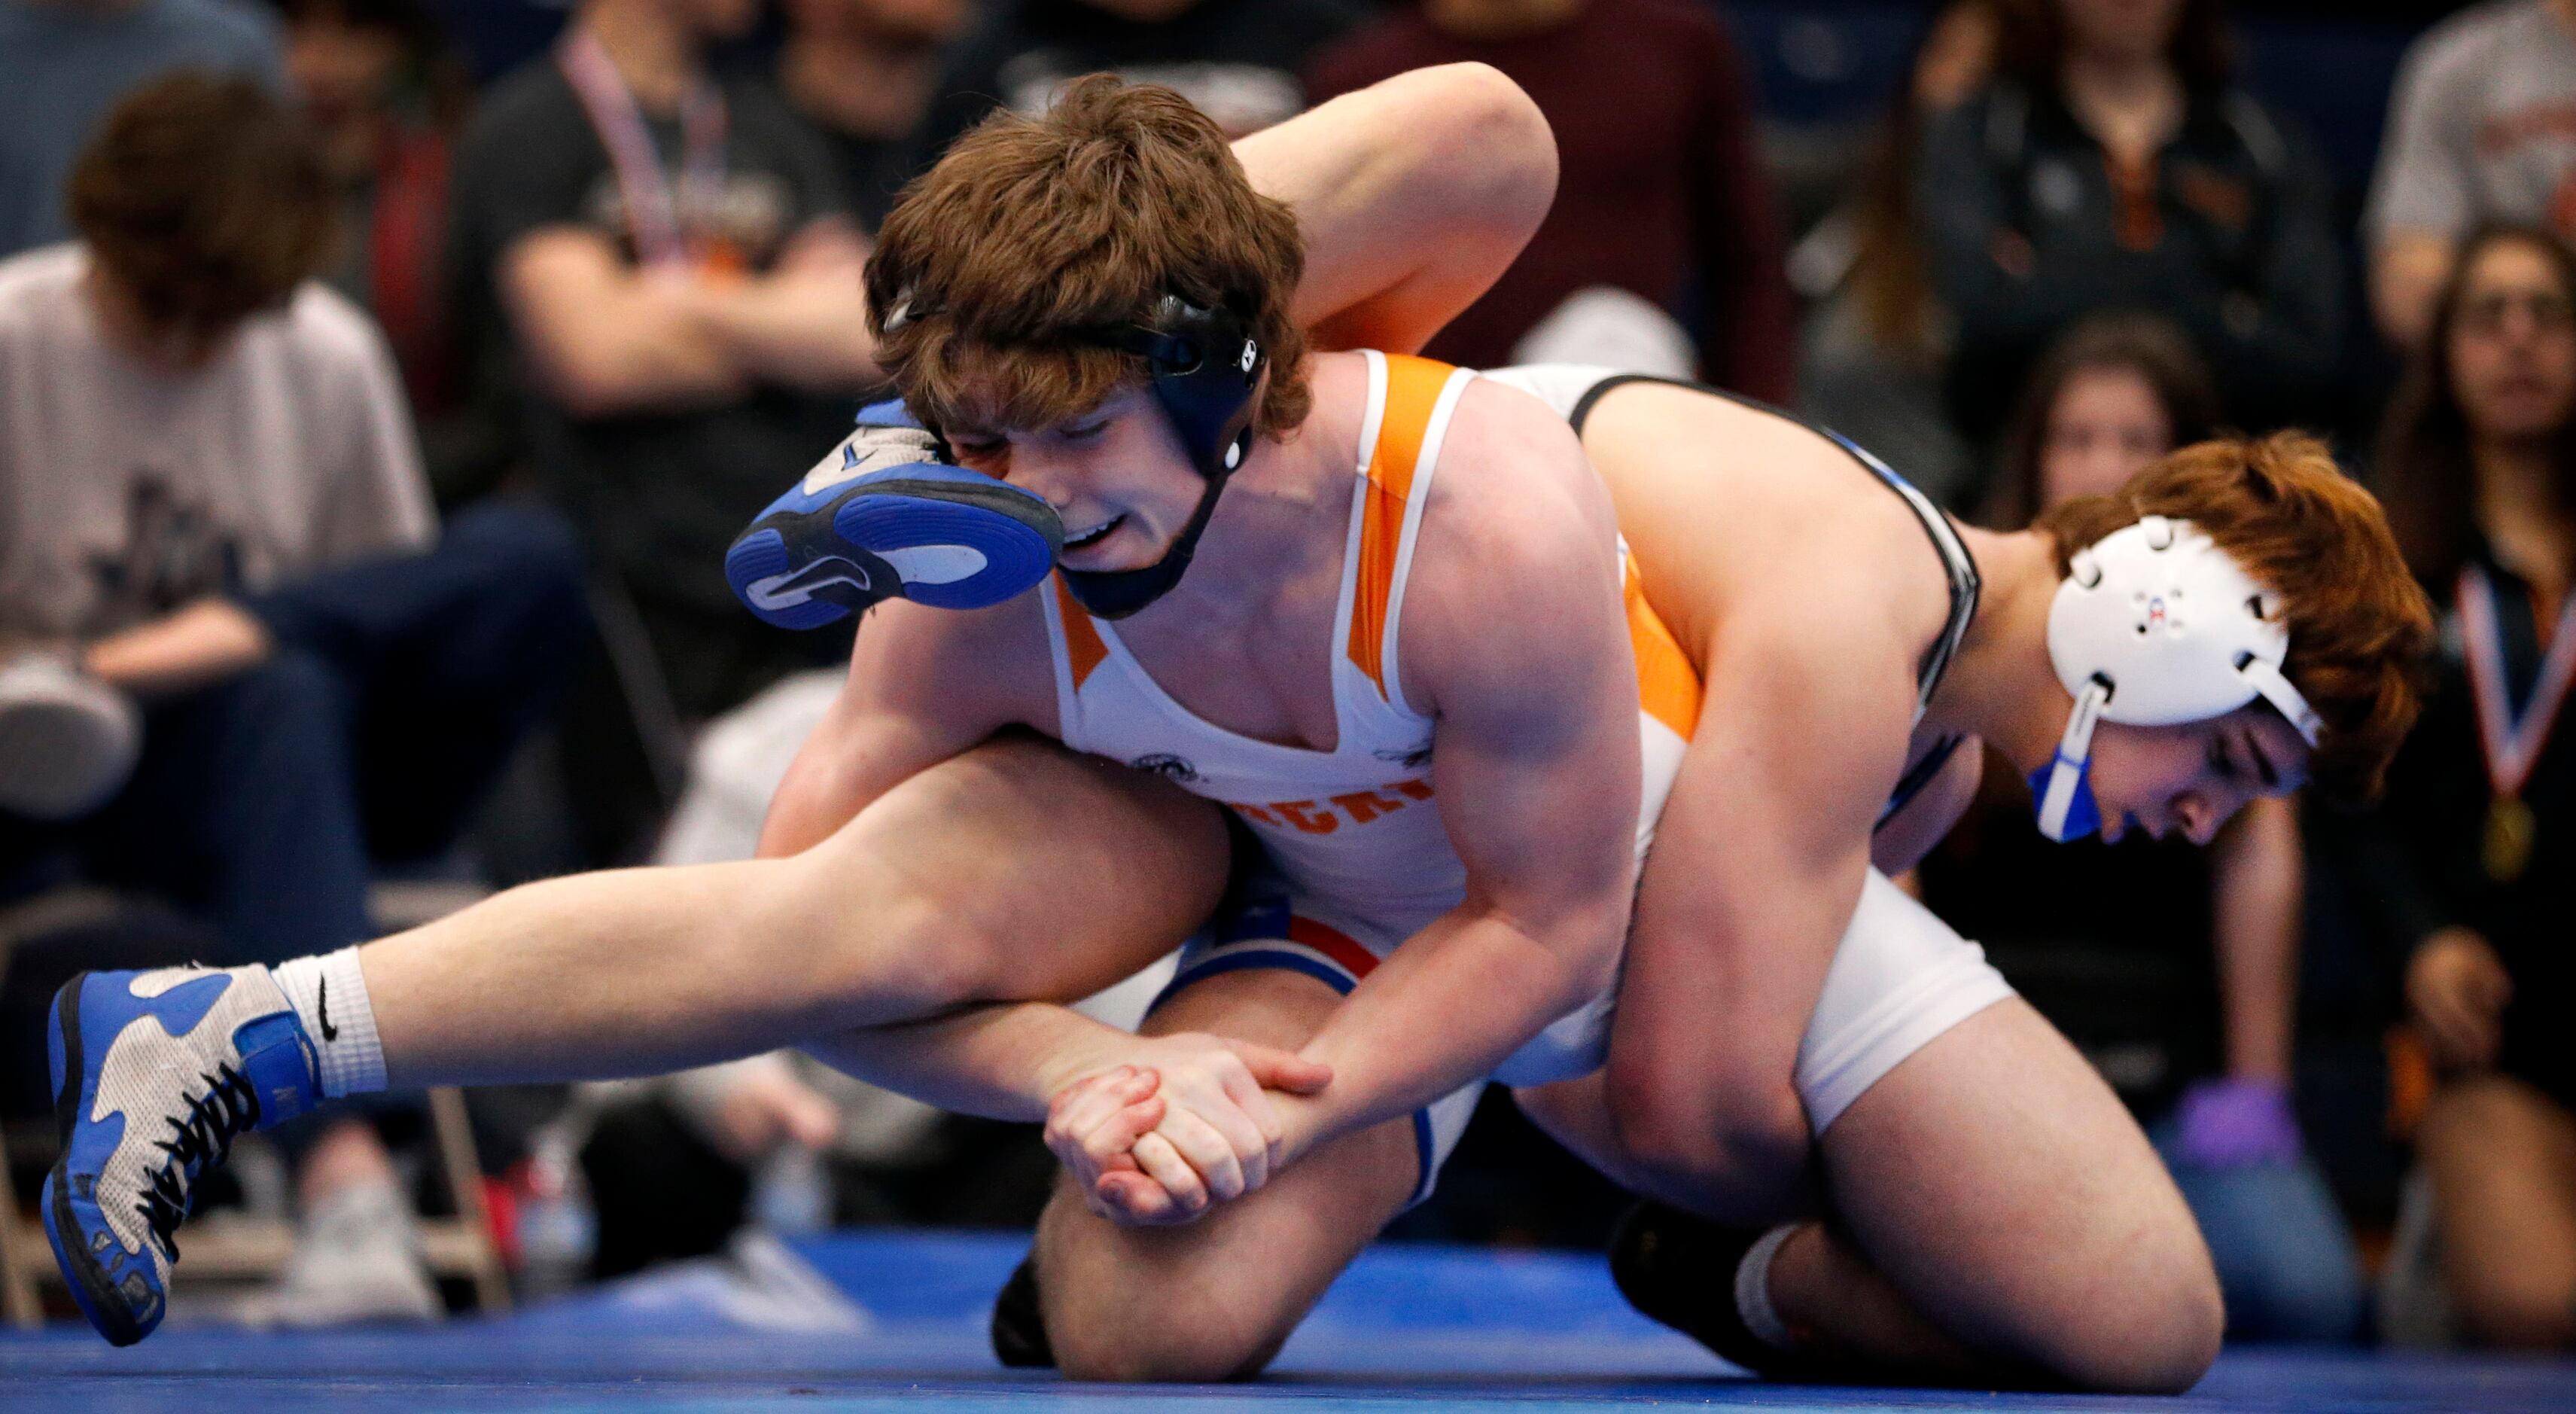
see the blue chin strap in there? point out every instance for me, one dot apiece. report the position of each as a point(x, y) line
point(2062, 790)
point(2083, 817)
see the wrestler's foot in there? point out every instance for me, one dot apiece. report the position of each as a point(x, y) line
point(1681, 1270)
point(1019, 1327)
point(154, 1074)
point(881, 518)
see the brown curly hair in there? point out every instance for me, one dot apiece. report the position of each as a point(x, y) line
point(1033, 235)
point(205, 199)
point(2361, 631)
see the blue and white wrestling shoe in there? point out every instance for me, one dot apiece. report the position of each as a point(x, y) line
point(882, 517)
point(154, 1074)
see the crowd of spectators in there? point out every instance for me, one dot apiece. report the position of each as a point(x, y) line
point(373, 424)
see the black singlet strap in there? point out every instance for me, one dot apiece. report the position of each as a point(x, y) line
point(1956, 562)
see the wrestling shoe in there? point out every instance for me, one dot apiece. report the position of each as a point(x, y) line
point(154, 1074)
point(1019, 1327)
point(882, 517)
point(1681, 1270)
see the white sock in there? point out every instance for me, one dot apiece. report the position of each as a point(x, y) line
point(1753, 1289)
point(329, 994)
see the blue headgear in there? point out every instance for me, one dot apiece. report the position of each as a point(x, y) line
point(2155, 625)
point(1205, 367)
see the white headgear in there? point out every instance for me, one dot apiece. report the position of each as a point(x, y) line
point(2155, 625)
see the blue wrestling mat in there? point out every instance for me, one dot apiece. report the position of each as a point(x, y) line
point(893, 1320)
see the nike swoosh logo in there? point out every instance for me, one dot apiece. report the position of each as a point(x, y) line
point(322, 1007)
point(786, 591)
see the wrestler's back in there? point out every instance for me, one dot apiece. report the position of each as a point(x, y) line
point(1726, 504)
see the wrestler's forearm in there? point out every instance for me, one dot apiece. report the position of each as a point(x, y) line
point(1442, 1011)
point(1004, 1061)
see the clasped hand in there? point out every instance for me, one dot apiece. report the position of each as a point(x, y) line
point(1184, 1123)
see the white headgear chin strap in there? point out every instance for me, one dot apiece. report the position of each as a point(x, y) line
point(2155, 625)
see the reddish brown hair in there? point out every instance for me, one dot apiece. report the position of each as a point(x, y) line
point(1033, 235)
point(2361, 632)
point(205, 199)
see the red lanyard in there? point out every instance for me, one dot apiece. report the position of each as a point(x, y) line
point(655, 212)
point(2512, 745)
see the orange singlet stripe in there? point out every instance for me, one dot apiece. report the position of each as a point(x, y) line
point(1083, 649)
point(1667, 689)
point(1412, 390)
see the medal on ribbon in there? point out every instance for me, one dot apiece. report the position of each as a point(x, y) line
point(2511, 743)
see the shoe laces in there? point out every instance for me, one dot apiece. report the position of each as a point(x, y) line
point(227, 1105)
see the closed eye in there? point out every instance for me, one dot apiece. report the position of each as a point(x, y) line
point(2263, 768)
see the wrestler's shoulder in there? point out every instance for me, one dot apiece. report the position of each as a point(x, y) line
point(1514, 494)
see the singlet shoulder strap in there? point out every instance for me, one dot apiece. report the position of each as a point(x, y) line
point(1076, 641)
point(1412, 419)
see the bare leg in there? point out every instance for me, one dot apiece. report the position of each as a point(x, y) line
point(2502, 1157)
point(1017, 872)
point(1216, 1299)
point(1999, 1216)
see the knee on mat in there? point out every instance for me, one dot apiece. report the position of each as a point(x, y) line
point(2154, 1325)
point(1199, 1343)
point(2510, 1310)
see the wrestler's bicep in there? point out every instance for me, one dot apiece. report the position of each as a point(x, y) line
point(1525, 657)
point(1759, 853)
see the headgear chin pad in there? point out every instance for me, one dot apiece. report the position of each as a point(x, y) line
point(2154, 626)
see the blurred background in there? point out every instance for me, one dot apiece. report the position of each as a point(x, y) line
point(381, 382)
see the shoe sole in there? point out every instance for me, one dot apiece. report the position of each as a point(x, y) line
point(96, 1296)
point(1016, 534)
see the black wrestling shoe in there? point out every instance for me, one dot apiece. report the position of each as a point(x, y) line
point(1680, 1270)
point(1019, 1328)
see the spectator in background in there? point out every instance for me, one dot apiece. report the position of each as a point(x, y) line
point(2112, 164)
point(1874, 347)
point(64, 63)
point(1239, 61)
point(385, 95)
point(665, 260)
point(2467, 865)
point(2184, 993)
point(213, 508)
point(861, 71)
point(2482, 128)
point(1660, 192)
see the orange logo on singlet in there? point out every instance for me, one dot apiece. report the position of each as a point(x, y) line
point(1324, 817)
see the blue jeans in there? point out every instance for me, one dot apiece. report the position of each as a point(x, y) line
point(2285, 1258)
point(396, 691)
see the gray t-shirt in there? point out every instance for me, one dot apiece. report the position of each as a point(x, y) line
point(125, 493)
point(64, 63)
point(2482, 127)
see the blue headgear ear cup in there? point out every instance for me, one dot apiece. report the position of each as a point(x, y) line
point(1205, 367)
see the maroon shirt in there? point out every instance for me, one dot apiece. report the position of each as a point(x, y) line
point(1659, 191)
